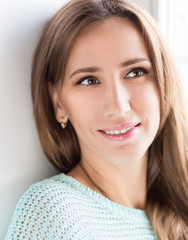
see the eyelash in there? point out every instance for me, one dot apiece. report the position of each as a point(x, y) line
point(143, 71)
point(87, 78)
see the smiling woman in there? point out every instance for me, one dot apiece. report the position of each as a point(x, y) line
point(104, 98)
point(110, 117)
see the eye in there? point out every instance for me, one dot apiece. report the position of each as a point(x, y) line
point(137, 72)
point(88, 81)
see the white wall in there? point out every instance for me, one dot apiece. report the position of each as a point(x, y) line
point(22, 161)
point(149, 5)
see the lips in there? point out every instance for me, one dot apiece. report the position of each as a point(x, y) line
point(122, 132)
point(123, 127)
point(117, 132)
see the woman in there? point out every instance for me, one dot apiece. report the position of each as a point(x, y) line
point(110, 116)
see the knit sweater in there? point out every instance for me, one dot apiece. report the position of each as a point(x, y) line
point(62, 208)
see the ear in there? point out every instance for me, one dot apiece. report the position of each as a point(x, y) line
point(59, 110)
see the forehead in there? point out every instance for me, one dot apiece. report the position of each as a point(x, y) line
point(115, 39)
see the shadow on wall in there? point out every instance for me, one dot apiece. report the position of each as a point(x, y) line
point(22, 161)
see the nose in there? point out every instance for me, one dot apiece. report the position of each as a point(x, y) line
point(116, 99)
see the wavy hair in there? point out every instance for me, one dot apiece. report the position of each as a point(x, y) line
point(167, 175)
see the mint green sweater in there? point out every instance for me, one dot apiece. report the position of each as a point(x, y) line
point(62, 208)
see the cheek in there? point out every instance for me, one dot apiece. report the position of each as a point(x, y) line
point(81, 108)
point(147, 102)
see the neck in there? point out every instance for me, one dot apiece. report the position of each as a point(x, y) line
point(125, 185)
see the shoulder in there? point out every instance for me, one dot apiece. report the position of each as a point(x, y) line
point(48, 193)
point(44, 205)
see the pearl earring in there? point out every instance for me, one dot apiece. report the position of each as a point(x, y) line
point(63, 124)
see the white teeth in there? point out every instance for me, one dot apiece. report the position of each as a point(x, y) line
point(116, 132)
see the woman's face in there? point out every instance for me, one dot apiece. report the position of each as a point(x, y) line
point(109, 92)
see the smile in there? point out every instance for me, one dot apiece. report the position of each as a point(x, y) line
point(121, 133)
point(117, 132)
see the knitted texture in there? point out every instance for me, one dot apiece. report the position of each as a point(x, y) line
point(62, 208)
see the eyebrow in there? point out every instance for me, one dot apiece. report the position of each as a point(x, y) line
point(97, 69)
point(84, 70)
point(133, 61)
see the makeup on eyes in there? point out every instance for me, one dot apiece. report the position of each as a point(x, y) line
point(92, 80)
point(138, 70)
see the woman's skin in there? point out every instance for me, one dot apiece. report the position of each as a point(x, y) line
point(109, 85)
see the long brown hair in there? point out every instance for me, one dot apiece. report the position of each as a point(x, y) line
point(167, 180)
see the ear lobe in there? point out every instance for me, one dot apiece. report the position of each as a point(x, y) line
point(59, 111)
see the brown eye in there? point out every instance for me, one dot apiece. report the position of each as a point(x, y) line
point(138, 72)
point(88, 81)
